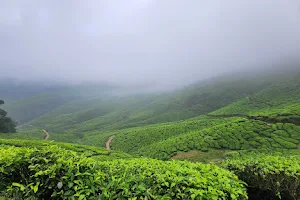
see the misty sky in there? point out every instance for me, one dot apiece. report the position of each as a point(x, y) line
point(152, 41)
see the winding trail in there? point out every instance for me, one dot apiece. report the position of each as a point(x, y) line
point(47, 134)
point(107, 143)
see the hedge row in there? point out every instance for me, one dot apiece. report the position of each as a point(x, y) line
point(57, 173)
point(131, 140)
point(88, 151)
point(276, 175)
point(241, 134)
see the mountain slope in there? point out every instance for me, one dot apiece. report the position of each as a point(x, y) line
point(115, 113)
point(279, 102)
point(245, 112)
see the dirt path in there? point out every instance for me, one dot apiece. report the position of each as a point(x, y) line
point(107, 143)
point(47, 134)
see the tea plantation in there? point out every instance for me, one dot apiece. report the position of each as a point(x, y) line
point(225, 138)
point(237, 134)
point(277, 176)
point(56, 173)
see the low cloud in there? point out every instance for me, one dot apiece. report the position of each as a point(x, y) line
point(170, 42)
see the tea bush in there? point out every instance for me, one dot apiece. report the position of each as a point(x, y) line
point(88, 151)
point(277, 175)
point(131, 140)
point(239, 134)
point(56, 173)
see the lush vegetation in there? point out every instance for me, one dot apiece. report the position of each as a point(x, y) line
point(63, 174)
point(280, 99)
point(238, 134)
point(269, 175)
point(66, 110)
point(131, 140)
point(7, 125)
point(88, 151)
point(249, 125)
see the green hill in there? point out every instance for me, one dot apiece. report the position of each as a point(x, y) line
point(280, 98)
point(90, 119)
point(61, 113)
point(247, 124)
point(28, 101)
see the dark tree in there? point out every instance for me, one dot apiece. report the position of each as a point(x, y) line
point(7, 125)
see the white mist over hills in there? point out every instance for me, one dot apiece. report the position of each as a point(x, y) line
point(148, 42)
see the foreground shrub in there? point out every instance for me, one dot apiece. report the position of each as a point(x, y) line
point(59, 174)
point(276, 175)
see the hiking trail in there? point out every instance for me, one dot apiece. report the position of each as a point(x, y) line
point(107, 143)
point(47, 134)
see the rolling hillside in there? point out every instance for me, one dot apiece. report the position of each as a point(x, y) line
point(73, 112)
point(247, 127)
point(79, 119)
point(267, 120)
point(279, 99)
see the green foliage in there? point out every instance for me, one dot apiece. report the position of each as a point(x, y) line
point(88, 151)
point(7, 125)
point(62, 174)
point(279, 101)
point(238, 134)
point(71, 118)
point(131, 140)
point(63, 111)
point(279, 175)
point(247, 116)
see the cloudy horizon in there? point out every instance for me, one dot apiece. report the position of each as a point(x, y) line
point(143, 41)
